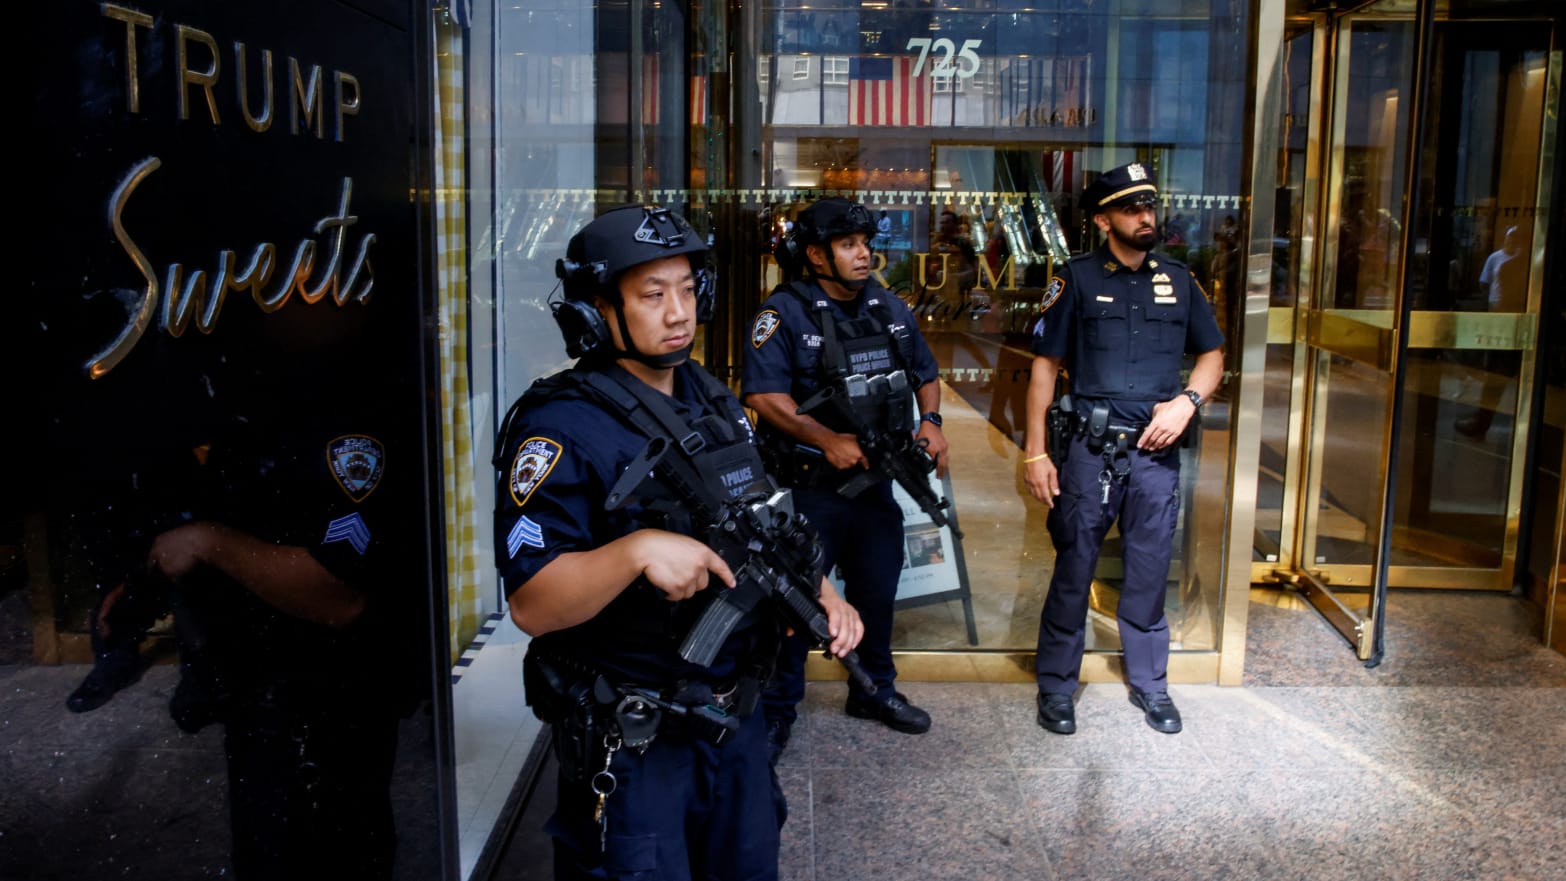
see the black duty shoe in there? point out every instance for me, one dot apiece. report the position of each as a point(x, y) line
point(778, 733)
point(1057, 713)
point(1160, 710)
point(199, 700)
point(894, 711)
point(111, 671)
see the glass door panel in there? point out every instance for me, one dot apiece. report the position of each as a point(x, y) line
point(1472, 331)
point(1348, 327)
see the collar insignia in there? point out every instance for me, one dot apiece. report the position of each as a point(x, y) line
point(766, 324)
point(357, 462)
point(535, 457)
point(1111, 266)
point(1151, 263)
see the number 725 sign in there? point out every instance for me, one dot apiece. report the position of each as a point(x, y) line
point(943, 67)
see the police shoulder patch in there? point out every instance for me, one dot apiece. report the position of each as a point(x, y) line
point(766, 324)
point(1199, 289)
point(357, 462)
point(535, 457)
point(1052, 292)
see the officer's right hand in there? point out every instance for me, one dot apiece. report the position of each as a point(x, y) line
point(842, 451)
point(179, 551)
point(677, 564)
point(1043, 480)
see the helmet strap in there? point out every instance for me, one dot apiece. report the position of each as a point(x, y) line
point(660, 362)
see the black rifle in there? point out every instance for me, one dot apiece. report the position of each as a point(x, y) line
point(772, 551)
point(892, 454)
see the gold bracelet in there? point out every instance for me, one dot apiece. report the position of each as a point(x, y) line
point(1037, 458)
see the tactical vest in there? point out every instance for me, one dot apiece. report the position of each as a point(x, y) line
point(869, 344)
point(641, 621)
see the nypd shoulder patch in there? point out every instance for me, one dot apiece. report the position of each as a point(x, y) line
point(766, 325)
point(534, 459)
point(357, 462)
point(1052, 292)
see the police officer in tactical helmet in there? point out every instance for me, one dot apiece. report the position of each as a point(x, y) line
point(833, 316)
point(608, 594)
point(1119, 320)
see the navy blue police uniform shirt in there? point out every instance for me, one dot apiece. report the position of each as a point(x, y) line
point(1121, 332)
point(785, 343)
point(321, 486)
point(568, 455)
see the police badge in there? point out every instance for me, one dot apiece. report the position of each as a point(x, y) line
point(766, 324)
point(357, 462)
point(534, 459)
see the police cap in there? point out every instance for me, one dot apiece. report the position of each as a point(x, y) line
point(622, 238)
point(1127, 185)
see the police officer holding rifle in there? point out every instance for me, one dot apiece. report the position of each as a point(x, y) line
point(657, 567)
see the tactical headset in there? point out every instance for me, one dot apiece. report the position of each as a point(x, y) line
point(616, 241)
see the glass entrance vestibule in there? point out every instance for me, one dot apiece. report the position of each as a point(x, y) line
point(1302, 177)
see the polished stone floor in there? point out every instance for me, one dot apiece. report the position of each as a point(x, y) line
point(1445, 762)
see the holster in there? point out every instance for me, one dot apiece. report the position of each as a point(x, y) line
point(1061, 424)
point(562, 696)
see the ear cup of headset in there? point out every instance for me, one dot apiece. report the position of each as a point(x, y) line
point(584, 330)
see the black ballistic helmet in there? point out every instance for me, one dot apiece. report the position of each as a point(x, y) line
point(1127, 185)
point(820, 223)
point(829, 218)
point(613, 242)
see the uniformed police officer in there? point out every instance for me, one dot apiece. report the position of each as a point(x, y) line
point(836, 317)
point(1119, 319)
point(292, 637)
point(664, 770)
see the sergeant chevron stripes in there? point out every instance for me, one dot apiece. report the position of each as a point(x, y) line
point(350, 529)
point(526, 532)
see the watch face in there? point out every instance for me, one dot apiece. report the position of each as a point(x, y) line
point(932, 418)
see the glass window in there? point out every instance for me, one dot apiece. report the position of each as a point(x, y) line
point(970, 133)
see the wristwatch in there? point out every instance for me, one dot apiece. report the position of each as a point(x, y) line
point(1195, 396)
point(931, 417)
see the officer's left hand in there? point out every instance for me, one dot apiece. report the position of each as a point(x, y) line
point(1168, 424)
point(842, 621)
point(937, 446)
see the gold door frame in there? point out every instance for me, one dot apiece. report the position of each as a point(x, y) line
point(1371, 337)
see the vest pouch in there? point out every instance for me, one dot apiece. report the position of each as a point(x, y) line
point(732, 471)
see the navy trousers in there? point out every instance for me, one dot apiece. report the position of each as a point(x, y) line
point(1147, 504)
point(684, 810)
point(864, 537)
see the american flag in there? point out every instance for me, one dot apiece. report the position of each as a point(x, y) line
point(1039, 92)
point(698, 100)
point(650, 89)
point(1059, 173)
point(884, 91)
